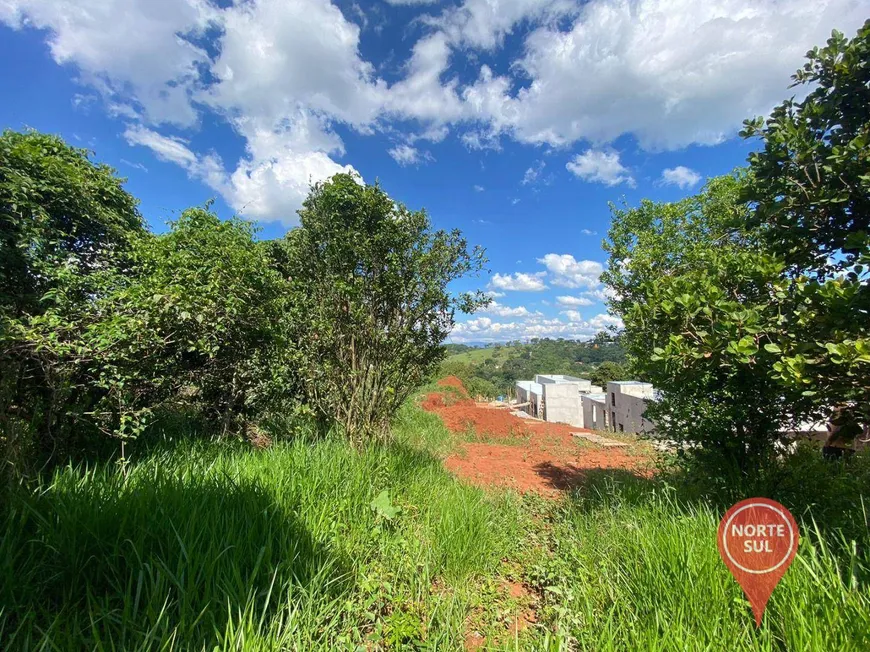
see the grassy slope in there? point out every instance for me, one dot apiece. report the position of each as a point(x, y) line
point(214, 545)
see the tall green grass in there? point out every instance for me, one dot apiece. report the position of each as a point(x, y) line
point(204, 545)
point(634, 567)
point(212, 545)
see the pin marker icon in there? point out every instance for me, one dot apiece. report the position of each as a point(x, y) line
point(758, 539)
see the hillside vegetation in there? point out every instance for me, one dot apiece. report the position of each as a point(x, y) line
point(493, 370)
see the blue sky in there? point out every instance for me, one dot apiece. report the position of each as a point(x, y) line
point(516, 121)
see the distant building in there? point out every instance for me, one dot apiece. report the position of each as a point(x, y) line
point(577, 402)
point(554, 397)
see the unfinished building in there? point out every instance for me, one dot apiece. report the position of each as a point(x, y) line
point(554, 397)
point(577, 402)
point(627, 401)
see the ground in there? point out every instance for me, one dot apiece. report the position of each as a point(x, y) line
point(500, 449)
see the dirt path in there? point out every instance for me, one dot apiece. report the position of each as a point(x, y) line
point(524, 454)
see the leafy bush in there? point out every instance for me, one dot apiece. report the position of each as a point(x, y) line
point(66, 230)
point(370, 301)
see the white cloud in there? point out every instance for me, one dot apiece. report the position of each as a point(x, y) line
point(485, 23)
point(605, 321)
point(410, 2)
point(570, 273)
point(129, 50)
point(480, 140)
point(573, 315)
point(208, 169)
point(669, 72)
point(680, 176)
point(478, 188)
point(287, 75)
point(601, 294)
point(266, 190)
point(588, 232)
point(600, 166)
point(519, 282)
point(533, 173)
point(134, 164)
point(499, 310)
point(573, 326)
point(405, 154)
point(574, 301)
point(494, 294)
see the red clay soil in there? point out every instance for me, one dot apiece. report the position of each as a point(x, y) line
point(536, 456)
point(453, 381)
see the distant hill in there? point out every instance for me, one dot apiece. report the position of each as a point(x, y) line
point(493, 369)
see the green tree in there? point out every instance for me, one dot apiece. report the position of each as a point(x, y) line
point(61, 216)
point(200, 323)
point(66, 228)
point(699, 295)
point(810, 188)
point(370, 295)
point(608, 371)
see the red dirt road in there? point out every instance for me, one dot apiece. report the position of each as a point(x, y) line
point(523, 454)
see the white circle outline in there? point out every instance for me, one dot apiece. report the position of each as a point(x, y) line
point(790, 534)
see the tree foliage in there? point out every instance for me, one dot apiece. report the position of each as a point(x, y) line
point(371, 301)
point(507, 363)
point(105, 326)
point(810, 193)
point(66, 229)
point(748, 304)
point(698, 298)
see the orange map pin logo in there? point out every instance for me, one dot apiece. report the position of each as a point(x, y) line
point(758, 539)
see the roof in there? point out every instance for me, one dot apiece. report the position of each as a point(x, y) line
point(530, 386)
point(561, 378)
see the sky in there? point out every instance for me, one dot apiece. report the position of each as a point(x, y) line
point(516, 121)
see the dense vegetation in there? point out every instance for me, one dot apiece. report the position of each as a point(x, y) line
point(493, 370)
point(106, 327)
point(747, 305)
point(312, 545)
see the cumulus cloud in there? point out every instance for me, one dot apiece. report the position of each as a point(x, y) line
point(519, 282)
point(601, 167)
point(286, 75)
point(126, 49)
point(570, 273)
point(669, 72)
point(405, 154)
point(499, 310)
point(601, 294)
point(572, 326)
point(574, 302)
point(680, 176)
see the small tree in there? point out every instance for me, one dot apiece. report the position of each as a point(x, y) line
point(203, 321)
point(700, 297)
point(608, 371)
point(66, 228)
point(371, 302)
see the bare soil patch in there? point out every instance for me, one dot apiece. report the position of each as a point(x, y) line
point(522, 454)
